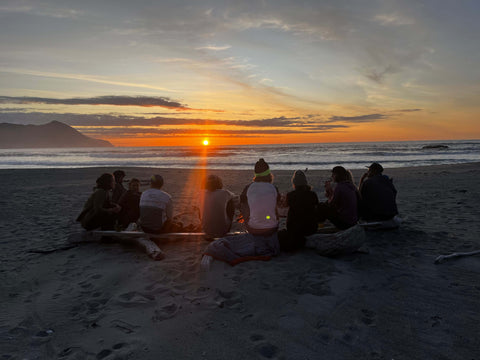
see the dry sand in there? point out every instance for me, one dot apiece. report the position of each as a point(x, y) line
point(110, 301)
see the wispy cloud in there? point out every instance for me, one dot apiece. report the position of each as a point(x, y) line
point(394, 19)
point(143, 101)
point(358, 119)
point(214, 47)
point(83, 77)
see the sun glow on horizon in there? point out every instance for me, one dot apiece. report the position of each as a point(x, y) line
point(205, 142)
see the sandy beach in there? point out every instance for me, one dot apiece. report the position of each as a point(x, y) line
point(110, 301)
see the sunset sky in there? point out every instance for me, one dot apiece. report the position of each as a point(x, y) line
point(146, 73)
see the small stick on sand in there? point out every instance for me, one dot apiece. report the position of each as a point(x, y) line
point(442, 258)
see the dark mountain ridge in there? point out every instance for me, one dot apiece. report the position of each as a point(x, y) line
point(51, 135)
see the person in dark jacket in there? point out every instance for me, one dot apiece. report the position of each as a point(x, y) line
point(378, 195)
point(130, 203)
point(99, 211)
point(302, 214)
point(119, 189)
point(343, 200)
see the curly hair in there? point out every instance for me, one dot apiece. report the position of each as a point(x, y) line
point(105, 181)
point(213, 183)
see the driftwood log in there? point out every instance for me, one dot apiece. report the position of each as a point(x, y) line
point(337, 243)
point(442, 258)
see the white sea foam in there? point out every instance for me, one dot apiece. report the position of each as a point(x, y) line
point(288, 157)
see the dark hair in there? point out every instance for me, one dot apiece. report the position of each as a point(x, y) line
point(133, 180)
point(118, 175)
point(105, 181)
point(156, 181)
point(340, 174)
point(213, 183)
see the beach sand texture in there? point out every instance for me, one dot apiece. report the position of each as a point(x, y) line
point(110, 301)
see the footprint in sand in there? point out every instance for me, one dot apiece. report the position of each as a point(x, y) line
point(267, 350)
point(230, 299)
point(368, 317)
point(123, 326)
point(166, 312)
point(134, 298)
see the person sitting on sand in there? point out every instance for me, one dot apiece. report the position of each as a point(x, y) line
point(99, 211)
point(156, 209)
point(378, 195)
point(218, 208)
point(258, 203)
point(130, 203)
point(302, 214)
point(119, 189)
point(341, 207)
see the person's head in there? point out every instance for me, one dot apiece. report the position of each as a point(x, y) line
point(213, 183)
point(119, 175)
point(156, 181)
point(299, 180)
point(375, 169)
point(106, 182)
point(134, 185)
point(339, 174)
point(262, 172)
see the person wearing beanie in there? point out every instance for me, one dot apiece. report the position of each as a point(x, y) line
point(258, 205)
point(378, 195)
point(156, 207)
point(302, 214)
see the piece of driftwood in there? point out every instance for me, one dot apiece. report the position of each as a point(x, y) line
point(392, 223)
point(134, 234)
point(442, 258)
point(49, 251)
point(337, 243)
point(136, 238)
point(150, 248)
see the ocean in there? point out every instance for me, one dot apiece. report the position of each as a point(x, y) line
point(283, 157)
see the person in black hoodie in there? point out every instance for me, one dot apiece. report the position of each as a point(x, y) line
point(302, 214)
point(378, 195)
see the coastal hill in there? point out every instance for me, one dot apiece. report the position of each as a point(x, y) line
point(52, 135)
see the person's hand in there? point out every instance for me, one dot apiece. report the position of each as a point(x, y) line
point(116, 208)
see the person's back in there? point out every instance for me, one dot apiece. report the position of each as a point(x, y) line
point(130, 203)
point(119, 189)
point(259, 202)
point(155, 207)
point(378, 198)
point(98, 210)
point(302, 215)
point(217, 214)
point(345, 201)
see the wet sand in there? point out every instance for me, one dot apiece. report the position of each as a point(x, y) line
point(110, 301)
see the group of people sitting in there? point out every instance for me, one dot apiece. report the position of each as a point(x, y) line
point(373, 200)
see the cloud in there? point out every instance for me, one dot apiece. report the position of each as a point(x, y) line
point(214, 48)
point(144, 101)
point(110, 120)
point(82, 77)
point(409, 110)
point(358, 119)
point(378, 76)
point(394, 19)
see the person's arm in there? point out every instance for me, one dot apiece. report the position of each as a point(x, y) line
point(169, 209)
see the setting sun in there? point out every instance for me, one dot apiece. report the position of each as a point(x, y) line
point(205, 142)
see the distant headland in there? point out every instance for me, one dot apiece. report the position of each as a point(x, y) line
point(51, 135)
